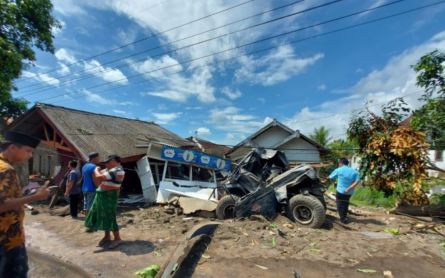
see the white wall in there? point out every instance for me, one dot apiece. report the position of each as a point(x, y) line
point(271, 137)
point(300, 150)
point(440, 164)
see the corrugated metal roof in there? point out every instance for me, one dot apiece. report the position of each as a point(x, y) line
point(103, 133)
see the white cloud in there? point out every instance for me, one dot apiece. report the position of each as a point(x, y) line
point(196, 81)
point(68, 7)
point(395, 79)
point(193, 108)
point(64, 55)
point(203, 131)
point(64, 69)
point(374, 4)
point(42, 77)
point(120, 112)
point(231, 94)
point(57, 31)
point(232, 119)
point(165, 118)
point(175, 86)
point(170, 95)
point(277, 66)
point(322, 87)
point(107, 74)
point(96, 98)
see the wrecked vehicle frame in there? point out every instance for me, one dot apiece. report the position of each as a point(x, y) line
point(263, 183)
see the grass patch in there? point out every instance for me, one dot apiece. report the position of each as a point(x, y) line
point(437, 199)
point(367, 196)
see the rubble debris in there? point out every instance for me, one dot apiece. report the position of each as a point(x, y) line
point(261, 267)
point(191, 205)
point(132, 199)
point(366, 270)
point(289, 226)
point(377, 235)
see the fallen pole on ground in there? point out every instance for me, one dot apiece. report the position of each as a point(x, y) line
point(176, 266)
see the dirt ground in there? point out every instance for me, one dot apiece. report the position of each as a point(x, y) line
point(242, 248)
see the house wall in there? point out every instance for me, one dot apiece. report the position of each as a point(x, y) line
point(238, 154)
point(299, 150)
point(439, 163)
point(267, 139)
point(271, 137)
point(44, 161)
point(355, 162)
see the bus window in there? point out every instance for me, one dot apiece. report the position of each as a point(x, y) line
point(176, 171)
point(202, 174)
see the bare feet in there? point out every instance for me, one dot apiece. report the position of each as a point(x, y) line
point(115, 243)
point(103, 241)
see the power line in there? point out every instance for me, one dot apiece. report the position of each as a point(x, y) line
point(181, 140)
point(268, 48)
point(244, 45)
point(87, 71)
point(45, 88)
point(152, 35)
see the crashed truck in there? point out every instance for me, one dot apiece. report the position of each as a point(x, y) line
point(261, 183)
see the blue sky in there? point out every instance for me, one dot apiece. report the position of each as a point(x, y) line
point(226, 97)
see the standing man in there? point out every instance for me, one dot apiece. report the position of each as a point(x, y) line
point(17, 149)
point(88, 186)
point(347, 180)
point(72, 188)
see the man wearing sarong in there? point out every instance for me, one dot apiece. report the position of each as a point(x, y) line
point(102, 215)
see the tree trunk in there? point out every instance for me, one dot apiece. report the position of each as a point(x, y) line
point(432, 210)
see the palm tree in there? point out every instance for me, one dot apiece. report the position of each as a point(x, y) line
point(321, 136)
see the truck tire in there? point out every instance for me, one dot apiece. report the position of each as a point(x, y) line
point(225, 209)
point(307, 211)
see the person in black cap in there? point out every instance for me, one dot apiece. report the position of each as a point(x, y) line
point(17, 149)
point(103, 212)
point(88, 185)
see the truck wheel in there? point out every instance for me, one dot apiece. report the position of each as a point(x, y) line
point(307, 211)
point(226, 207)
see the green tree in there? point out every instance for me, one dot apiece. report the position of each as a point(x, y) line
point(321, 136)
point(431, 74)
point(341, 148)
point(430, 118)
point(24, 26)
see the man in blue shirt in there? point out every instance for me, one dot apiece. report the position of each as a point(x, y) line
point(88, 186)
point(347, 180)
